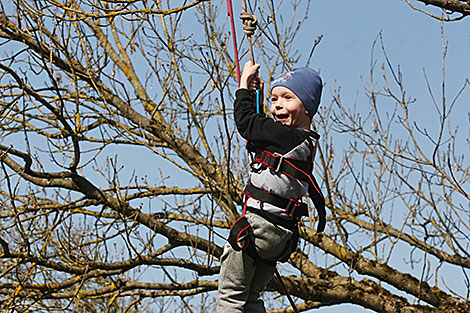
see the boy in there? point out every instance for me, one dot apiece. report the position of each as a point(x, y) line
point(282, 153)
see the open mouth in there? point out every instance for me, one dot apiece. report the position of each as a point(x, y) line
point(281, 117)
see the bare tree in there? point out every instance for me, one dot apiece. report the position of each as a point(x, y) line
point(450, 8)
point(122, 170)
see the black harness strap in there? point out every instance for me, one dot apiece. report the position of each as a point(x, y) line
point(318, 200)
point(241, 234)
point(292, 207)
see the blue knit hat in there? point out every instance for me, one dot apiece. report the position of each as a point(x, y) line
point(305, 83)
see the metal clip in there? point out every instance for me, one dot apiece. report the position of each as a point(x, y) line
point(281, 158)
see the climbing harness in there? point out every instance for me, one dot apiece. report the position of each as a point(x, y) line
point(241, 236)
point(294, 168)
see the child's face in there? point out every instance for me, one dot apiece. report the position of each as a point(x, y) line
point(287, 108)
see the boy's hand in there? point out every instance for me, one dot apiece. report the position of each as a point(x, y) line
point(250, 77)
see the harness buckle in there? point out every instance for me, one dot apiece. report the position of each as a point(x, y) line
point(296, 208)
point(292, 207)
point(279, 163)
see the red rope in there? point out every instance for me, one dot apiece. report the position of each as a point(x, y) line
point(234, 37)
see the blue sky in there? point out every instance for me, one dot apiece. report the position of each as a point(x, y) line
point(412, 39)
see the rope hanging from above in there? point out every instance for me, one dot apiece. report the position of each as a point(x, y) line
point(249, 23)
point(249, 26)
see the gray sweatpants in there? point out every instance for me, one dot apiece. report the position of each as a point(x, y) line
point(240, 280)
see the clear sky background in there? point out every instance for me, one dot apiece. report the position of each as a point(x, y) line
point(412, 40)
